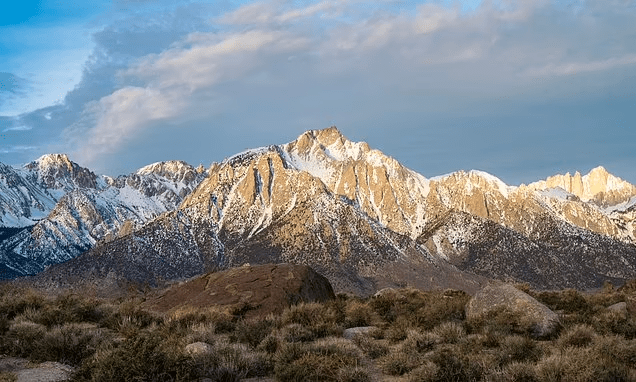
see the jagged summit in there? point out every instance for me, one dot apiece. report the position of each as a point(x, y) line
point(476, 179)
point(352, 212)
point(57, 171)
point(330, 142)
point(175, 170)
point(52, 160)
point(598, 186)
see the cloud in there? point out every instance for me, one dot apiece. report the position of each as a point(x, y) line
point(17, 128)
point(16, 149)
point(260, 13)
point(11, 83)
point(119, 116)
point(572, 68)
point(126, 112)
point(12, 87)
point(218, 81)
point(212, 59)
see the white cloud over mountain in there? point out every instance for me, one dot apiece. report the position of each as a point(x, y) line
point(274, 68)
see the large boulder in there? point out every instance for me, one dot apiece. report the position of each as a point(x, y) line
point(253, 290)
point(531, 313)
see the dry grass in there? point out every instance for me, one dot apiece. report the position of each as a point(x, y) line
point(419, 336)
point(7, 376)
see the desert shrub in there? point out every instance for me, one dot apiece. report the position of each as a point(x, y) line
point(384, 306)
point(231, 362)
point(581, 364)
point(608, 323)
point(569, 301)
point(500, 322)
point(423, 309)
point(358, 313)
point(579, 335)
point(184, 317)
point(425, 372)
point(203, 332)
point(68, 311)
point(605, 298)
point(269, 344)
point(14, 301)
point(324, 360)
point(516, 348)
point(69, 343)
point(253, 332)
point(7, 376)
point(450, 332)
point(130, 318)
point(454, 365)
point(296, 333)
point(306, 314)
point(76, 309)
point(570, 364)
point(420, 342)
point(613, 373)
point(371, 347)
point(513, 372)
point(353, 374)
point(224, 326)
point(398, 330)
point(616, 348)
point(441, 307)
point(5, 323)
point(146, 356)
point(22, 337)
point(399, 362)
point(320, 319)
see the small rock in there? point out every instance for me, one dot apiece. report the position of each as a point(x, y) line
point(388, 292)
point(619, 307)
point(544, 322)
point(198, 348)
point(352, 332)
point(45, 372)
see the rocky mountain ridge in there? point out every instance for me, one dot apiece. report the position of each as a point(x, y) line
point(68, 209)
point(363, 220)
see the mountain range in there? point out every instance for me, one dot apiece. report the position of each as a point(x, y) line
point(355, 215)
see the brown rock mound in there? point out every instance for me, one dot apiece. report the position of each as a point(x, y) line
point(257, 290)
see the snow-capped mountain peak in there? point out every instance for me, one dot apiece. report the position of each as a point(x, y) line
point(58, 172)
point(71, 208)
point(597, 186)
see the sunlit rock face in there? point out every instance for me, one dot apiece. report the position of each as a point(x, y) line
point(352, 213)
point(598, 187)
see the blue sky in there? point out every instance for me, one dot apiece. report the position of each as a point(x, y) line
point(521, 89)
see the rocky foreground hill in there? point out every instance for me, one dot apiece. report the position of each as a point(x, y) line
point(352, 213)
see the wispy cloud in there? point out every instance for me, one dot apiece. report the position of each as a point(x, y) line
point(16, 149)
point(573, 68)
point(198, 72)
point(11, 83)
point(431, 48)
point(17, 128)
point(260, 13)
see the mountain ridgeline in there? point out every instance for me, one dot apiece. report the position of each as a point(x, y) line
point(352, 213)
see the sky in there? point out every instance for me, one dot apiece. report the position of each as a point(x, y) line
point(520, 89)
